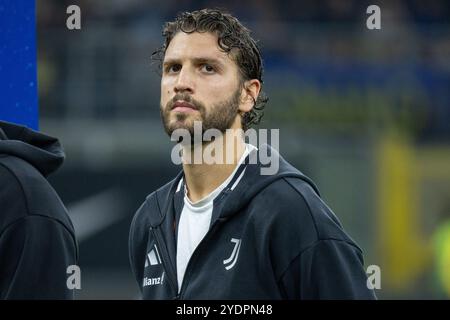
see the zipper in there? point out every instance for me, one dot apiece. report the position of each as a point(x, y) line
point(171, 275)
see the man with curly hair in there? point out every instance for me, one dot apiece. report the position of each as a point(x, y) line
point(224, 230)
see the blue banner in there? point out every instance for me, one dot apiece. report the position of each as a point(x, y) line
point(18, 77)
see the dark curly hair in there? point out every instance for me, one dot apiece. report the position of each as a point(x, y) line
point(233, 38)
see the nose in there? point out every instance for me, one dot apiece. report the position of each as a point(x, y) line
point(184, 82)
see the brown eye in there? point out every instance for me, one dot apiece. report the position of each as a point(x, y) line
point(208, 68)
point(173, 68)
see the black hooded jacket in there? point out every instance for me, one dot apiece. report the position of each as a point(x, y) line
point(37, 238)
point(272, 237)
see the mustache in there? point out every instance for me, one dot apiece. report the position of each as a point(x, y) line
point(187, 98)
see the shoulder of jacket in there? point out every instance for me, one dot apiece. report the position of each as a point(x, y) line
point(23, 171)
point(296, 204)
point(13, 199)
point(147, 214)
point(29, 192)
point(141, 214)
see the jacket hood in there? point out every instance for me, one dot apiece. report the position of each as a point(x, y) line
point(229, 202)
point(253, 181)
point(43, 152)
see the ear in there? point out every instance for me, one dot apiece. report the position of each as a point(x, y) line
point(249, 94)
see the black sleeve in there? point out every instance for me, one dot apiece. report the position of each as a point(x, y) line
point(132, 241)
point(137, 243)
point(329, 269)
point(35, 252)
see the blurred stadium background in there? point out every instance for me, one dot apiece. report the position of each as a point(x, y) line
point(365, 113)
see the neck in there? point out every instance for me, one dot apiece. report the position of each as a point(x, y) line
point(203, 178)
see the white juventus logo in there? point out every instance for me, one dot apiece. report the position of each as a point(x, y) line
point(153, 257)
point(231, 261)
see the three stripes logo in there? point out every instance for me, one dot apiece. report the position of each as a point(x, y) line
point(153, 258)
point(231, 261)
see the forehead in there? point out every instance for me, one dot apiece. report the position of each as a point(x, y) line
point(196, 45)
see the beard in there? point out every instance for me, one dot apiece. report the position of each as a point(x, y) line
point(220, 115)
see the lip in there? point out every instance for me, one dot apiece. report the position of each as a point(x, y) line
point(183, 106)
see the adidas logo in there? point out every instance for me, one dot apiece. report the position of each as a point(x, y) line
point(153, 257)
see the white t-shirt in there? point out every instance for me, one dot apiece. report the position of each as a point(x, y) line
point(195, 220)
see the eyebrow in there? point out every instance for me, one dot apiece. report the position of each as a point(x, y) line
point(196, 60)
